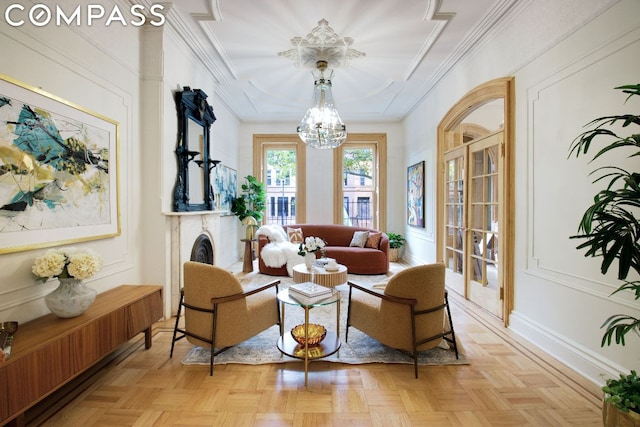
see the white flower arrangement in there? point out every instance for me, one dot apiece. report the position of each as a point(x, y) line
point(69, 262)
point(311, 244)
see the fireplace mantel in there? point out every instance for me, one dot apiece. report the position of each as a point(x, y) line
point(195, 213)
point(184, 228)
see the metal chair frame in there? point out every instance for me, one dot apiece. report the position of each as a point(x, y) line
point(449, 336)
point(180, 333)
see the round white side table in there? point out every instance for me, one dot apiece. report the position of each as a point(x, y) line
point(322, 277)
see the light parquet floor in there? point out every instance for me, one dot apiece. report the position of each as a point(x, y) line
point(507, 383)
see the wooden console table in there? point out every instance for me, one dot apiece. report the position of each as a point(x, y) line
point(48, 351)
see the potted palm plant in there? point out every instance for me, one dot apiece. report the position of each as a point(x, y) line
point(610, 228)
point(396, 241)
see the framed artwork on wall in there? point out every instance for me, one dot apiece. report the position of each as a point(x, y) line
point(415, 195)
point(225, 187)
point(58, 170)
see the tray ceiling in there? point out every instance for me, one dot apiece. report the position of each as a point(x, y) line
point(405, 47)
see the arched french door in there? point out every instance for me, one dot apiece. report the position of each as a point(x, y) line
point(475, 200)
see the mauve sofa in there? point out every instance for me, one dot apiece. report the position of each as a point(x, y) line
point(338, 237)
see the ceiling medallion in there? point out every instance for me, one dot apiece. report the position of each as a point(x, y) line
point(321, 44)
point(322, 50)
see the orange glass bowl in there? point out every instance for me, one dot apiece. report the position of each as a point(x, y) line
point(315, 335)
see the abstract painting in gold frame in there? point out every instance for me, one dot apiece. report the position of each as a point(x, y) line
point(58, 170)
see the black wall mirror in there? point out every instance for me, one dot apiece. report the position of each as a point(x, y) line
point(193, 190)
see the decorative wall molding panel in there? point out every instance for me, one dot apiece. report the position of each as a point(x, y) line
point(547, 195)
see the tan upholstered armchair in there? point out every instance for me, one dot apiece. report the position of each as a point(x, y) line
point(409, 315)
point(219, 312)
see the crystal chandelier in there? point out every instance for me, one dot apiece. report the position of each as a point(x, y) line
point(321, 126)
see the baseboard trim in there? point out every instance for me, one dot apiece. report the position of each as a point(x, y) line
point(584, 361)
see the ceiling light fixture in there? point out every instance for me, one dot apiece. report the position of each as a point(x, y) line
point(321, 126)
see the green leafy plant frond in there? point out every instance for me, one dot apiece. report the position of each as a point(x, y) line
point(629, 286)
point(582, 143)
point(612, 232)
point(630, 89)
point(617, 326)
point(610, 227)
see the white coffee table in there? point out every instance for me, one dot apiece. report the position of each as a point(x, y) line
point(322, 277)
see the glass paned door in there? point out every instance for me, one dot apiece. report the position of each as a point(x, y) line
point(359, 185)
point(485, 181)
point(280, 176)
point(455, 224)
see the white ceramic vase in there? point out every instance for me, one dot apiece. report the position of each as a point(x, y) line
point(70, 299)
point(309, 259)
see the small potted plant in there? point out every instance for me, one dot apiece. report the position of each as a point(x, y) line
point(622, 400)
point(396, 241)
point(611, 230)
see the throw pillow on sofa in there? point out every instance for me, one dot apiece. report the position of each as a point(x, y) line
point(373, 240)
point(359, 239)
point(295, 235)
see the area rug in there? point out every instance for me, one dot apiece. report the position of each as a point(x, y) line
point(262, 349)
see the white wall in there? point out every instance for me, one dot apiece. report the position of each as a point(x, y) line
point(557, 288)
point(319, 168)
point(100, 75)
point(129, 75)
point(173, 66)
point(566, 58)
